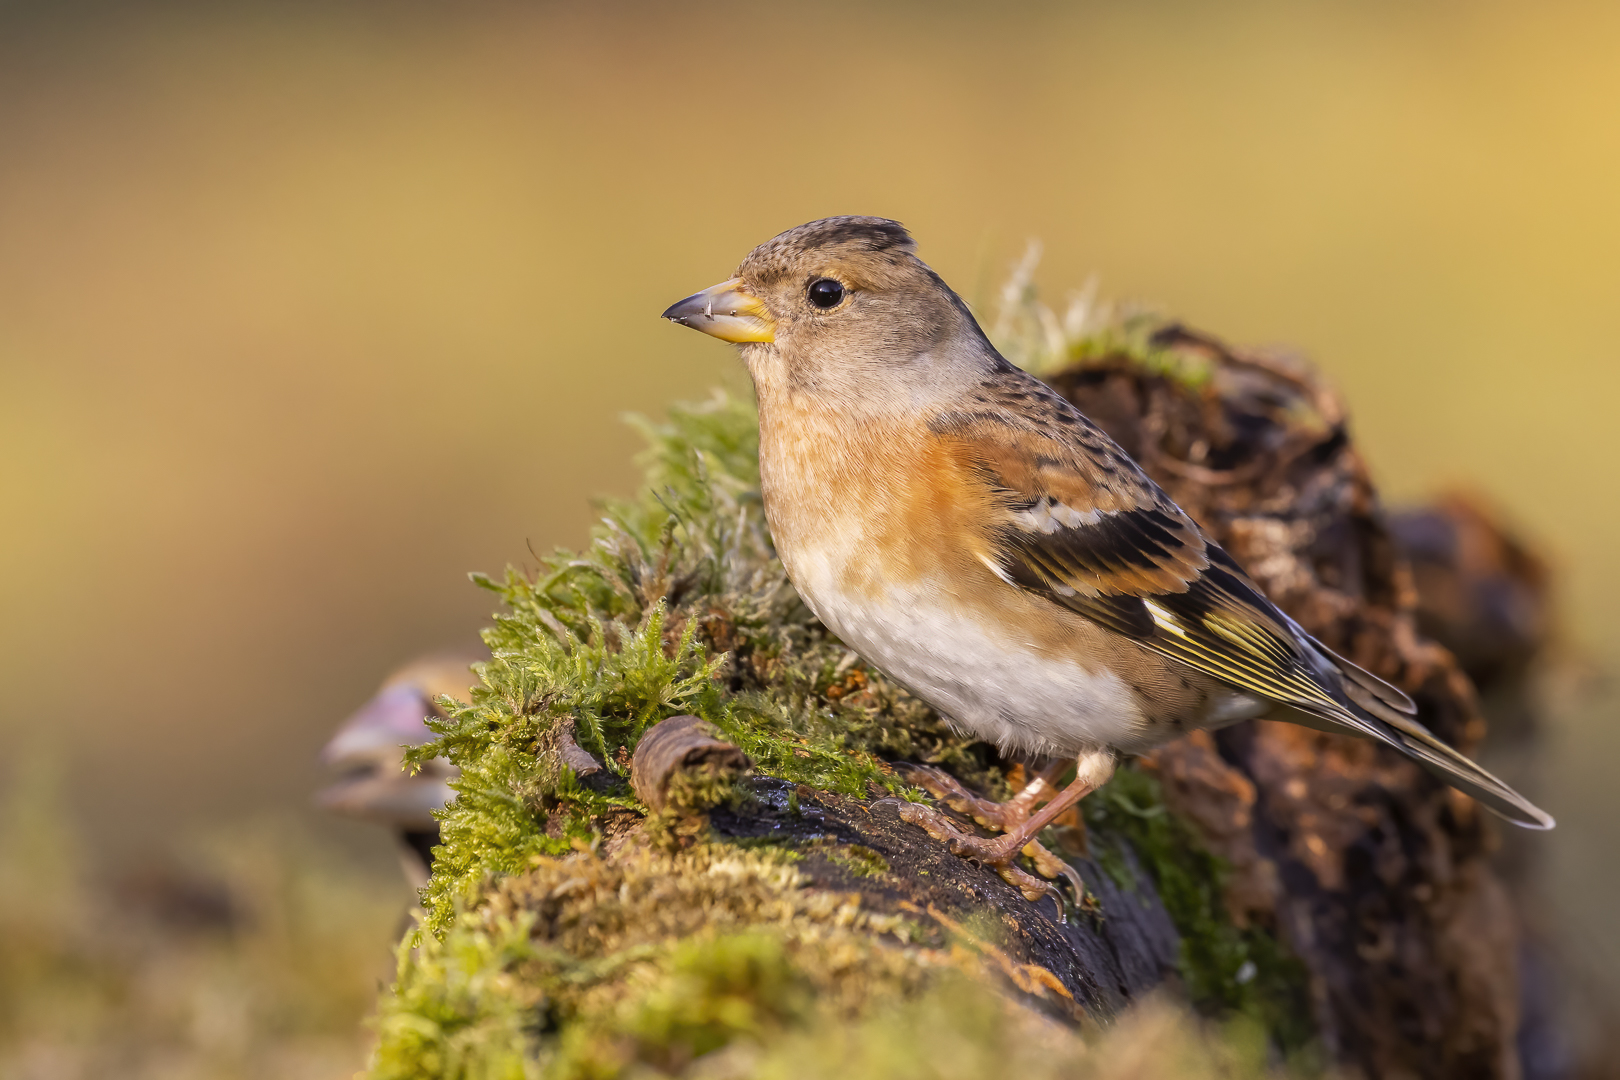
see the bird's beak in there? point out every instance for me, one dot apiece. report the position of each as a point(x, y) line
point(727, 311)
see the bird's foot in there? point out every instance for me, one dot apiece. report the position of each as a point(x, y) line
point(1000, 854)
point(1000, 816)
point(936, 823)
point(1021, 826)
point(949, 790)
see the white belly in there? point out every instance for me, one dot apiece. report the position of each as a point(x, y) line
point(1003, 691)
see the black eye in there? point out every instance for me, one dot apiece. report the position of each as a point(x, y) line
point(825, 292)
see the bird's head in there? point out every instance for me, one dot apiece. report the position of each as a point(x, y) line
point(843, 308)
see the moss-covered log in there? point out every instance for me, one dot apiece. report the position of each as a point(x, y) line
point(1333, 898)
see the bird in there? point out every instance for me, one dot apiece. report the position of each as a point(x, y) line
point(969, 532)
point(368, 749)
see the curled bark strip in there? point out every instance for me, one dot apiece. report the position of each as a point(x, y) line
point(586, 767)
point(676, 746)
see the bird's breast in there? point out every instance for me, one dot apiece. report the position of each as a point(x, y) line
point(862, 505)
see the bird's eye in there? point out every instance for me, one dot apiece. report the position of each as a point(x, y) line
point(825, 292)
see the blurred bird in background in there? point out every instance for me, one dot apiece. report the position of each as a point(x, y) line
point(369, 750)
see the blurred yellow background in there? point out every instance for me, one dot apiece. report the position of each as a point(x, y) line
point(308, 309)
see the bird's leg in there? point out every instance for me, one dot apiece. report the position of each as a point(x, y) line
point(1000, 816)
point(1094, 769)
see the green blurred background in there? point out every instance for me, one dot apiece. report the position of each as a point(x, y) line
point(308, 309)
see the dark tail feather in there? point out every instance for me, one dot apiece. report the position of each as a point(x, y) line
point(1367, 689)
point(1370, 707)
point(1381, 712)
point(1427, 750)
point(1422, 746)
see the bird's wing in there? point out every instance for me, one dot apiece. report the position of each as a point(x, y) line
point(1083, 526)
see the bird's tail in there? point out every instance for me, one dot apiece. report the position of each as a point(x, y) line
point(1374, 709)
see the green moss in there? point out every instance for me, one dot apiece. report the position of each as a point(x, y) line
point(491, 1001)
point(1226, 969)
point(586, 968)
point(958, 1030)
point(457, 1010)
point(713, 991)
point(1133, 340)
point(715, 962)
point(678, 606)
point(857, 859)
point(1039, 340)
point(694, 791)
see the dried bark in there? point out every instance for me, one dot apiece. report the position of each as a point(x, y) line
point(1378, 877)
point(682, 751)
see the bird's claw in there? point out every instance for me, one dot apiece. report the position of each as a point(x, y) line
point(949, 790)
point(998, 854)
point(1032, 887)
point(1046, 863)
point(931, 821)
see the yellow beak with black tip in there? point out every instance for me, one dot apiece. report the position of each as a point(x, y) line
point(726, 311)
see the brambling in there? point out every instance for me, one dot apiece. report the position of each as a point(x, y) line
point(369, 749)
point(966, 530)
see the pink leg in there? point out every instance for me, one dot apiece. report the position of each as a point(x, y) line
point(1000, 816)
point(1095, 767)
